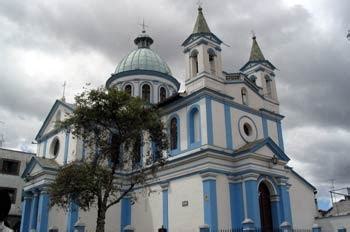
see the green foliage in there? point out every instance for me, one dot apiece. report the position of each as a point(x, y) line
point(111, 124)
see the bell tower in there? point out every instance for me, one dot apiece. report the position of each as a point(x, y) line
point(202, 56)
point(261, 71)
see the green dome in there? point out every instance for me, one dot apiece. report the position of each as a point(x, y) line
point(143, 59)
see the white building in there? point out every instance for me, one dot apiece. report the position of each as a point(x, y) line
point(12, 164)
point(227, 163)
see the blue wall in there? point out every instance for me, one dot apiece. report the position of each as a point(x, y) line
point(210, 204)
point(43, 212)
point(125, 213)
point(236, 205)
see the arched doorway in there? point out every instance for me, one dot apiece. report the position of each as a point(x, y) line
point(265, 208)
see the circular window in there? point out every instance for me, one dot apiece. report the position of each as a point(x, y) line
point(55, 147)
point(247, 129)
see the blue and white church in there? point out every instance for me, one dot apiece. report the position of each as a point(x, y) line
point(227, 167)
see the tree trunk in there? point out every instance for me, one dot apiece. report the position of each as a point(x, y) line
point(101, 216)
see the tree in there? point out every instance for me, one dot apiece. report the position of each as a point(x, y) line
point(113, 126)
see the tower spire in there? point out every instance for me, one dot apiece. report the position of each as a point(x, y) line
point(255, 53)
point(201, 25)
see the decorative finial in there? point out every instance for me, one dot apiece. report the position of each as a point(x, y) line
point(253, 34)
point(143, 25)
point(64, 91)
point(199, 3)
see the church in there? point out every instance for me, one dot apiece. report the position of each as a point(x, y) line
point(226, 166)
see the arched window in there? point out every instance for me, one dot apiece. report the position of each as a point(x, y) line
point(137, 159)
point(55, 147)
point(212, 60)
point(253, 79)
point(194, 126)
point(244, 96)
point(146, 93)
point(268, 86)
point(162, 94)
point(194, 62)
point(128, 89)
point(174, 131)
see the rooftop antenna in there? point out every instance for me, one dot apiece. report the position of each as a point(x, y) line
point(64, 91)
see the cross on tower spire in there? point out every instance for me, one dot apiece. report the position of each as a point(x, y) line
point(143, 25)
point(64, 91)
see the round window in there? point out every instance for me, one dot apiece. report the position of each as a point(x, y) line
point(247, 129)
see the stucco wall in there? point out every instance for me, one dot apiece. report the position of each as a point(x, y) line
point(302, 203)
point(183, 219)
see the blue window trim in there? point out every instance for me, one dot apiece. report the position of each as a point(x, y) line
point(177, 150)
point(208, 104)
point(190, 127)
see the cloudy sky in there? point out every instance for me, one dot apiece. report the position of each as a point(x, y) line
point(44, 43)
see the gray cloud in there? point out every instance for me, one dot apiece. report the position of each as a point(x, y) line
point(82, 41)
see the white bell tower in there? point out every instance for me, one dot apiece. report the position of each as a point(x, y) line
point(261, 72)
point(202, 56)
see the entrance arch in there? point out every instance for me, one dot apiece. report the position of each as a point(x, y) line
point(265, 208)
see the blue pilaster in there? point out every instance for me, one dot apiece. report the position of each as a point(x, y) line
point(66, 147)
point(228, 126)
point(209, 115)
point(276, 212)
point(236, 204)
point(286, 215)
point(125, 213)
point(34, 211)
point(43, 212)
point(280, 135)
point(26, 208)
point(210, 201)
point(165, 202)
point(252, 198)
point(72, 216)
point(265, 128)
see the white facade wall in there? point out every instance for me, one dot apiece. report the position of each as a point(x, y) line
point(57, 219)
point(189, 218)
point(272, 130)
point(147, 212)
point(219, 130)
point(302, 201)
point(223, 202)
